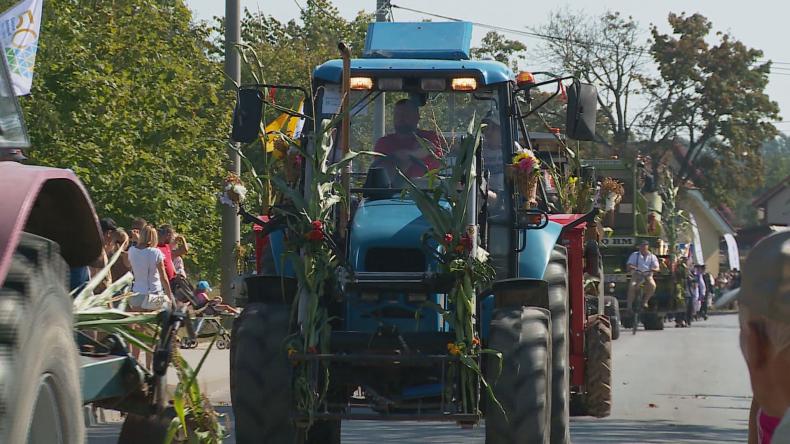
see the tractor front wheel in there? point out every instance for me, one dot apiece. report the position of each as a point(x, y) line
point(653, 321)
point(523, 388)
point(260, 380)
point(40, 398)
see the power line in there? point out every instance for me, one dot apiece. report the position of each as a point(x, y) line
point(642, 51)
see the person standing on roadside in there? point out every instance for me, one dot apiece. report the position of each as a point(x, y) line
point(138, 224)
point(642, 264)
point(764, 315)
point(166, 237)
point(150, 280)
point(179, 247)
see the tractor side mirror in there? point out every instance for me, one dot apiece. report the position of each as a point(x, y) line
point(582, 111)
point(247, 115)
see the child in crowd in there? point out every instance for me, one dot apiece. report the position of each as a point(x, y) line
point(201, 294)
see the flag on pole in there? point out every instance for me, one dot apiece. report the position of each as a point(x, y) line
point(19, 31)
point(287, 124)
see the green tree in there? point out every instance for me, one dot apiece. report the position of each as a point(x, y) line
point(495, 46)
point(712, 95)
point(605, 51)
point(124, 95)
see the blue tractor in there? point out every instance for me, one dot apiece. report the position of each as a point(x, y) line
point(389, 357)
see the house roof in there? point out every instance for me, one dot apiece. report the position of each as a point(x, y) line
point(765, 197)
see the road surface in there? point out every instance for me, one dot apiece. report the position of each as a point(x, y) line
point(674, 386)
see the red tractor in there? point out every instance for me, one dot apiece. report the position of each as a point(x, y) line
point(49, 230)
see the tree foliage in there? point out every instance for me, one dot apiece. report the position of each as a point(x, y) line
point(124, 95)
point(495, 46)
point(290, 51)
point(605, 51)
point(712, 95)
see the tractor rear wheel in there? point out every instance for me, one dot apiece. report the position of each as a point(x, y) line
point(652, 321)
point(260, 380)
point(40, 397)
point(523, 388)
point(152, 428)
point(597, 399)
point(557, 277)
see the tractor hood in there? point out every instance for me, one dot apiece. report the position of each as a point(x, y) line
point(385, 224)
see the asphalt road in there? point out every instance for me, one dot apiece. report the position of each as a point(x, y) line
point(673, 386)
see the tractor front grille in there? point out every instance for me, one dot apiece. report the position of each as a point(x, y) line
point(395, 260)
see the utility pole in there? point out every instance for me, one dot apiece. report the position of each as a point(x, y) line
point(379, 112)
point(230, 220)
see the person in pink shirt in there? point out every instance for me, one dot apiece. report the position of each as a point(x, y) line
point(403, 149)
point(764, 314)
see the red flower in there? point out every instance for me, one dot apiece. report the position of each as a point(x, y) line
point(317, 225)
point(315, 235)
point(475, 341)
point(312, 350)
point(448, 238)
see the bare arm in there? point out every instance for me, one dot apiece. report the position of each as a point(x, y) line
point(163, 278)
point(753, 423)
point(183, 247)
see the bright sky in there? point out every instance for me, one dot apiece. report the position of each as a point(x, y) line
point(759, 25)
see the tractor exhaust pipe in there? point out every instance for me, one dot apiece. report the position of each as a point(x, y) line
point(345, 211)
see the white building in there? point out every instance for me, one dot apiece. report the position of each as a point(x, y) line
point(773, 207)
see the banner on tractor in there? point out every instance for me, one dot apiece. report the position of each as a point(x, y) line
point(19, 31)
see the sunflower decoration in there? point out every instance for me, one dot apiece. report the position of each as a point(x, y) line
point(524, 172)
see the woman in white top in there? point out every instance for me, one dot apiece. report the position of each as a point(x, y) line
point(150, 279)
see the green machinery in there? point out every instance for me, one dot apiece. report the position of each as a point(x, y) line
point(634, 219)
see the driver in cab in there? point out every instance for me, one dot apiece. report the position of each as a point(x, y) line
point(402, 149)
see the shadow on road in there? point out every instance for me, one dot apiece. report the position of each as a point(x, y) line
point(653, 431)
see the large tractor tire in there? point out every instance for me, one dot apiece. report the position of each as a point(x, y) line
point(597, 399)
point(612, 309)
point(40, 397)
point(652, 321)
point(523, 388)
point(260, 380)
point(557, 277)
point(627, 320)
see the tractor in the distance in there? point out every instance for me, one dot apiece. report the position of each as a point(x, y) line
point(388, 357)
point(635, 219)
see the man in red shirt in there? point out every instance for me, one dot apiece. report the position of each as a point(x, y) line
point(165, 237)
point(403, 150)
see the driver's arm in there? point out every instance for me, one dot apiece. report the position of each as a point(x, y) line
point(656, 266)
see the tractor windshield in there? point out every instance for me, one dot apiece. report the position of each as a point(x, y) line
point(421, 132)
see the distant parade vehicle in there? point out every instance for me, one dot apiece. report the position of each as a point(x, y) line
point(48, 227)
point(392, 354)
point(627, 225)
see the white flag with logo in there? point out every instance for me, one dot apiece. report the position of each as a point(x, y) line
point(19, 30)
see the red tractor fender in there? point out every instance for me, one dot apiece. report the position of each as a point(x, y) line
point(572, 238)
point(51, 203)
